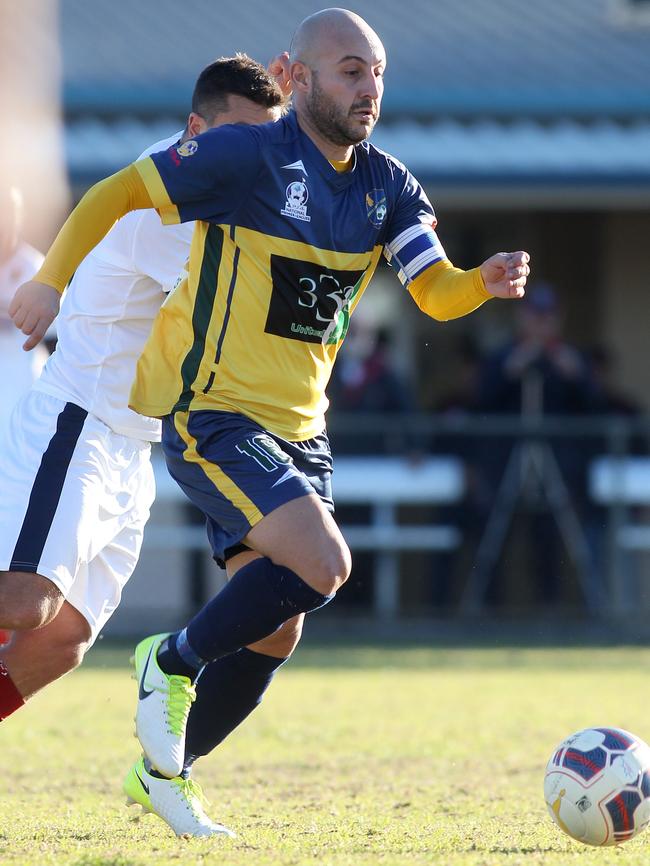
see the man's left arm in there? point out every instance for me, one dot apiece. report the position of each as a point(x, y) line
point(445, 292)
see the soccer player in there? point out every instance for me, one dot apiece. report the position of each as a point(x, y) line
point(293, 218)
point(75, 471)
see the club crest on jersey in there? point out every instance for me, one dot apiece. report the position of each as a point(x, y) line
point(296, 205)
point(376, 206)
point(187, 148)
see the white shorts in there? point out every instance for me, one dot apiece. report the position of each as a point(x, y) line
point(75, 499)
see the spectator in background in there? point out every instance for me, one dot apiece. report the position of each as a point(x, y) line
point(611, 400)
point(18, 262)
point(365, 381)
point(538, 349)
point(539, 372)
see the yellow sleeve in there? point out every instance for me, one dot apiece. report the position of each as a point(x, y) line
point(160, 199)
point(445, 292)
point(98, 210)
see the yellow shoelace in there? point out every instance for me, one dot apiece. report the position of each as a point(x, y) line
point(181, 696)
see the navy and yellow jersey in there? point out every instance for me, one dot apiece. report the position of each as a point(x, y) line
point(284, 250)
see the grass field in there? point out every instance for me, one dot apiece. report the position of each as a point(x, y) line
point(358, 756)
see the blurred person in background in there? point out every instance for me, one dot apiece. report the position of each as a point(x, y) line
point(539, 348)
point(18, 262)
point(611, 399)
point(365, 380)
point(538, 372)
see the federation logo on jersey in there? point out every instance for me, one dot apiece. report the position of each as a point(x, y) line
point(187, 148)
point(376, 206)
point(296, 205)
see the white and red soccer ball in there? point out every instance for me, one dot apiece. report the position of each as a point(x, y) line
point(597, 786)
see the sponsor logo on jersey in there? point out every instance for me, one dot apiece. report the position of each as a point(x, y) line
point(187, 148)
point(309, 302)
point(296, 205)
point(376, 206)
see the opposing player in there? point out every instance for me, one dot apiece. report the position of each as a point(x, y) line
point(293, 220)
point(74, 464)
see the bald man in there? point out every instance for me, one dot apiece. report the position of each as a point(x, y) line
point(292, 220)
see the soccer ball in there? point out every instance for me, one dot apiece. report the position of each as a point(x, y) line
point(597, 786)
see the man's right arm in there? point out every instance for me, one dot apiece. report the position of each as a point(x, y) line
point(36, 304)
point(205, 178)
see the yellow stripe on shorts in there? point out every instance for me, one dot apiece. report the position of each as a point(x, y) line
point(217, 476)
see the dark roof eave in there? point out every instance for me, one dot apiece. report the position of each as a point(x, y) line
point(102, 99)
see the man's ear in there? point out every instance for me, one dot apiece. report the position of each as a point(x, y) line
point(195, 124)
point(300, 76)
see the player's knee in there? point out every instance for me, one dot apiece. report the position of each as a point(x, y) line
point(27, 601)
point(332, 569)
point(69, 654)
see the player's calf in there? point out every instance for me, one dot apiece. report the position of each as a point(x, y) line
point(282, 642)
point(27, 600)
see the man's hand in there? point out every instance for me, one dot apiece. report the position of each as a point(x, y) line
point(505, 274)
point(33, 309)
point(279, 68)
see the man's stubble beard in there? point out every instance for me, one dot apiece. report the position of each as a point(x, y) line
point(331, 121)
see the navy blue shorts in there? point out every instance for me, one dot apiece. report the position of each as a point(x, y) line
point(236, 472)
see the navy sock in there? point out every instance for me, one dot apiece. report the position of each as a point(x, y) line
point(252, 605)
point(175, 656)
point(227, 691)
point(185, 774)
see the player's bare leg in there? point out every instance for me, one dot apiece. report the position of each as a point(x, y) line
point(303, 536)
point(27, 600)
point(37, 657)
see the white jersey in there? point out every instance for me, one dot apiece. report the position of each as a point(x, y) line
point(18, 369)
point(107, 312)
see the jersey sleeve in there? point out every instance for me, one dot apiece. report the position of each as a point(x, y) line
point(412, 244)
point(205, 177)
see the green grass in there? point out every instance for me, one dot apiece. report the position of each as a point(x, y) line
point(358, 756)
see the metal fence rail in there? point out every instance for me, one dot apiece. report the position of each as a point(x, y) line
point(430, 460)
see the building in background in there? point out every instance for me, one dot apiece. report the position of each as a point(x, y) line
point(529, 126)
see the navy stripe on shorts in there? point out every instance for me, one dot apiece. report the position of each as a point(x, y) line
point(46, 490)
